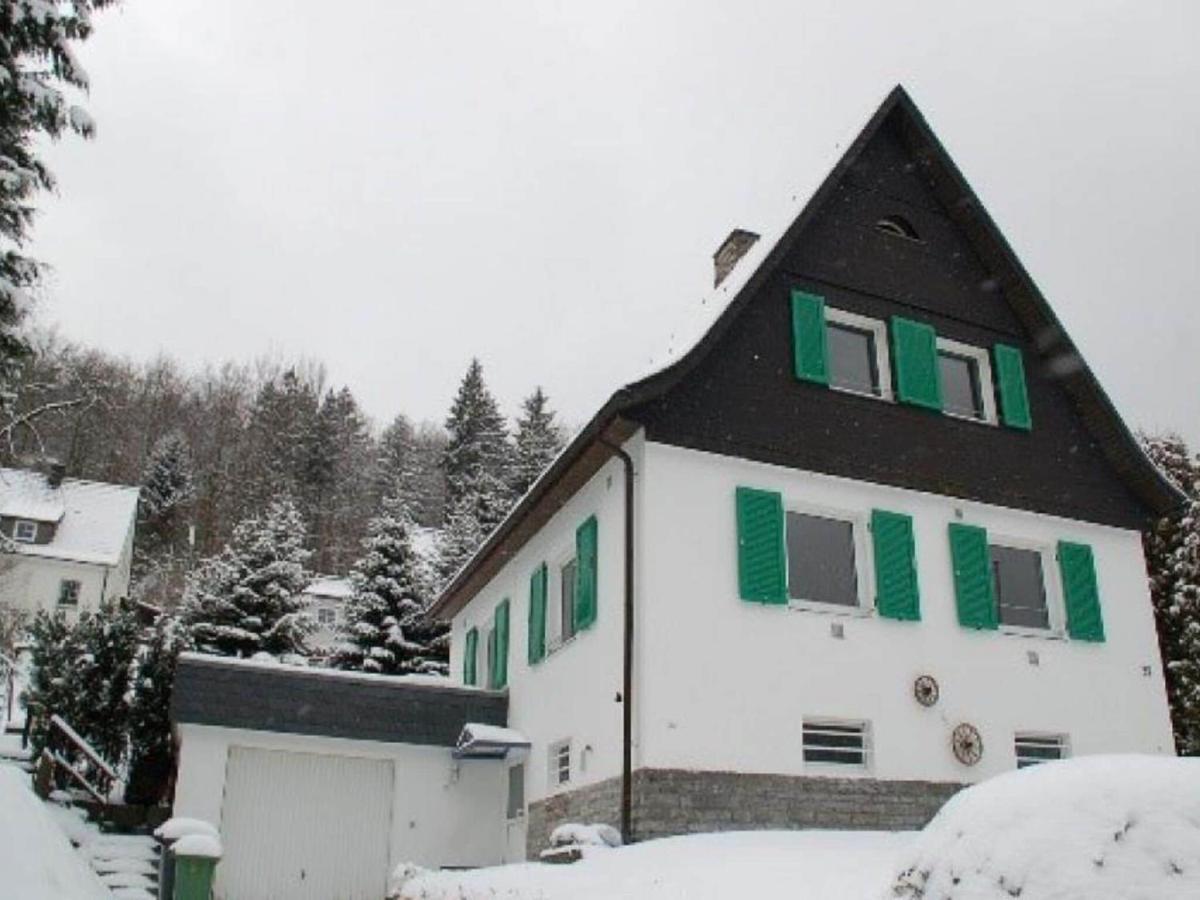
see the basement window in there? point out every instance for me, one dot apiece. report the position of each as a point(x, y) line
point(966, 378)
point(1032, 749)
point(897, 226)
point(858, 353)
point(25, 531)
point(560, 763)
point(837, 743)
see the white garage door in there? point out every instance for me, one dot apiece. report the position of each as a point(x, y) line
point(304, 826)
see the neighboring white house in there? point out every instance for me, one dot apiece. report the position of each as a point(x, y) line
point(871, 534)
point(326, 597)
point(72, 540)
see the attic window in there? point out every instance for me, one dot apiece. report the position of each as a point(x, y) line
point(898, 226)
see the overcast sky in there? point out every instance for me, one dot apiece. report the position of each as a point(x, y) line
point(394, 186)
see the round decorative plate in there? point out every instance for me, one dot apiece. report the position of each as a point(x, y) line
point(926, 690)
point(967, 744)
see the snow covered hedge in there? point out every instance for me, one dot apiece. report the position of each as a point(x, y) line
point(1094, 828)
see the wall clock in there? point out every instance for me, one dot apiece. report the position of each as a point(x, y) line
point(926, 690)
point(967, 744)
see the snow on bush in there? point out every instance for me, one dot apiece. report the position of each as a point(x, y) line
point(1095, 828)
point(572, 835)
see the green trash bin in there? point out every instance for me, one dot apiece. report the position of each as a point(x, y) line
point(196, 858)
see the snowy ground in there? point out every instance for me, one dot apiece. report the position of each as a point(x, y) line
point(799, 865)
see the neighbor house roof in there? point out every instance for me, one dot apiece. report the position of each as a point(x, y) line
point(593, 444)
point(93, 518)
point(331, 587)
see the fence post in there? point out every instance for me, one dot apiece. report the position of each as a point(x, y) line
point(196, 858)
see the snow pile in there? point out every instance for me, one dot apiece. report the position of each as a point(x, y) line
point(799, 865)
point(572, 835)
point(36, 859)
point(1096, 828)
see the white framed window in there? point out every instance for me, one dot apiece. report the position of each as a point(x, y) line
point(559, 758)
point(837, 742)
point(560, 600)
point(25, 531)
point(965, 373)
point(1028, 597)
point(858, 354)
point(826, 554)
point(1032, 748)
point(326, 617)
point(68, 592)
point(488, 636)
point(515, 807)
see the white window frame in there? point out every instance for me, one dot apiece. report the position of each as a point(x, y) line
point(78, 593)
point(1063, 741)
point(987, 389)
point(333, 616)
point(554, 767)
point(554, 567)
point(879, 331)
point(1051, 583)
point(21, 524)
point(868, 745)
point(863, 569)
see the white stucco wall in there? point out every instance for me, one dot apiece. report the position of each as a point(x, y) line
point(571, 694)
point(444, 813)
point(724, 684)
point(32, 583)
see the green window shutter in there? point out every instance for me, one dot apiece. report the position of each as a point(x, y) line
point(470, 656)
point(762, 568)
point(973, 576)
point(500, 655)
point(1010, 377)
point(1078, 568)
point(810, 350)
point(914, 349)
point(897, 595)
point(537, 615)
point(586, 538)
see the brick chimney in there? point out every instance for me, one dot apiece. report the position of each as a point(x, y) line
point(731, 250)
point(55, 471)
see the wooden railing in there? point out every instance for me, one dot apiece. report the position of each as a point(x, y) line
point(76, 762)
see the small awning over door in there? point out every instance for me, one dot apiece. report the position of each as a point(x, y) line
point(479, 741)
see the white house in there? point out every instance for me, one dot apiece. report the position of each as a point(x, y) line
point(326, 598)
point(71, 540)
point(872, 535)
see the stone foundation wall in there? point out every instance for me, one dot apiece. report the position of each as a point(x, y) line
point(678, 801)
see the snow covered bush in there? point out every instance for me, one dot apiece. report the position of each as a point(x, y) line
point(1094, 828)
point(573, 835)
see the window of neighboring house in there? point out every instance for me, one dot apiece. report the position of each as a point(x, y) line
point(326, 617)
point(560, 763)
point(822, 562)
point(68, 592)
point(1018, 579)
point(1032, 749)
point(838, 743)
point(516, 792)
point(25, 531)
point(858, 353)
point(966, 377)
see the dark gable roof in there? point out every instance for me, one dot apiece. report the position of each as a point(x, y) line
point(320, 702)
point(590, 448)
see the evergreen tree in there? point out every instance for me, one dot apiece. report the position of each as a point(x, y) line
point(279, 440)
point(537, 442)
point(167, 492)
point(459, 539)
point(386, 629)
point(36, 60)
point(82, 673)
point(395, 460)
point(151, 749)
point(1173, 558)
point(247, 599)
point(337, 481)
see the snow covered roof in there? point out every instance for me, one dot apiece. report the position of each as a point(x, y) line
point(708, 320)
point(482, 741)
point(93, 518)
point(330, 586)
